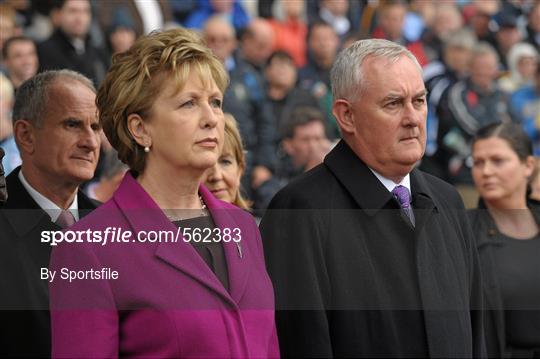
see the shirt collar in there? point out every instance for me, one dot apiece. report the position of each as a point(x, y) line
point(390, 185)
point(46, 204)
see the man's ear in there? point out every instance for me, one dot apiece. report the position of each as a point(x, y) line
point(342, 111)
point(24, 134)
point(138, 130)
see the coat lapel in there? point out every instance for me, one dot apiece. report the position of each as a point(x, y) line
point(366, 190)
point(143, 214)
point(422, 200)
point(236, 254)
point(22, 212)
point(443, 310)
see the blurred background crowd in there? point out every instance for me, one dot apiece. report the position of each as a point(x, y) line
point(480, 59)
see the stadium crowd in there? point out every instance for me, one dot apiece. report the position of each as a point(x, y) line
point(480, 61)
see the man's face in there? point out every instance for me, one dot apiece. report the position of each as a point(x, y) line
point(392, 18)
point(281, 72)
point(458, 59)
point(75, 17)
point(258, 47)
point(220, 39)
point(3, 189)
point(308, 140)
point(389, 116)
point(324, 43)
point(21, 60)
point(66, 146)
point(484, 70)
point(508, 37)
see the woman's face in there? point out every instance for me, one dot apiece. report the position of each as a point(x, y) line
point(223, 179)
point(527, 67)
point(186, 127)
point(498, 172)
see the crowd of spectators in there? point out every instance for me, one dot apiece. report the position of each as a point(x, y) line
point(480, 59)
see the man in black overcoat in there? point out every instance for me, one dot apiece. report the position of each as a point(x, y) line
point(369, 256)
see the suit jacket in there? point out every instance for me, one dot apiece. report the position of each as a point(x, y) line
point(354, 278)
point(24, 302)
point(166, 301)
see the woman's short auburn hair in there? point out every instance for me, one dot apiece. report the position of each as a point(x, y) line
point(137, 77)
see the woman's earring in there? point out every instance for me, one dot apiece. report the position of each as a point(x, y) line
point(146, 149)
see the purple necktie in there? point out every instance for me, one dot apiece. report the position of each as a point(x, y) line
point(402, 195)
point(65, 219)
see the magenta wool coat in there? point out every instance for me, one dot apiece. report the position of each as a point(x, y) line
point(166, 301)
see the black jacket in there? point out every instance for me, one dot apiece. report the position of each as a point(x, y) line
point(486, 236)
point(24, 299)
point(353, 277)
point(246, 100)
point(58, 52)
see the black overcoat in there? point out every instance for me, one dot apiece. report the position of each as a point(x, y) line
point(354, 278)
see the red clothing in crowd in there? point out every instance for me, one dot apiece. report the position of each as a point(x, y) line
point(291, 36)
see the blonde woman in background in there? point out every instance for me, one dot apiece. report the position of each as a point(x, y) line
point(223, 179)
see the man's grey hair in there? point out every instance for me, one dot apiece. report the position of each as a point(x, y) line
point(33, 96)
point(461, 38)
point(346, 74)
point(484, 48)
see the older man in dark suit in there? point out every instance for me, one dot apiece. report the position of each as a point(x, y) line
point(57, 131)
point(369, 256)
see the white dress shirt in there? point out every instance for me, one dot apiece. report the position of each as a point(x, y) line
point(46, 204)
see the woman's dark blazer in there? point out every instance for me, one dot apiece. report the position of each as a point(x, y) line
point(487, 237)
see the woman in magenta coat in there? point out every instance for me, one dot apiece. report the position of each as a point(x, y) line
point(163, 269)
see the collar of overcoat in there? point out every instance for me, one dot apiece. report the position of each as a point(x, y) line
point(369, 193)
